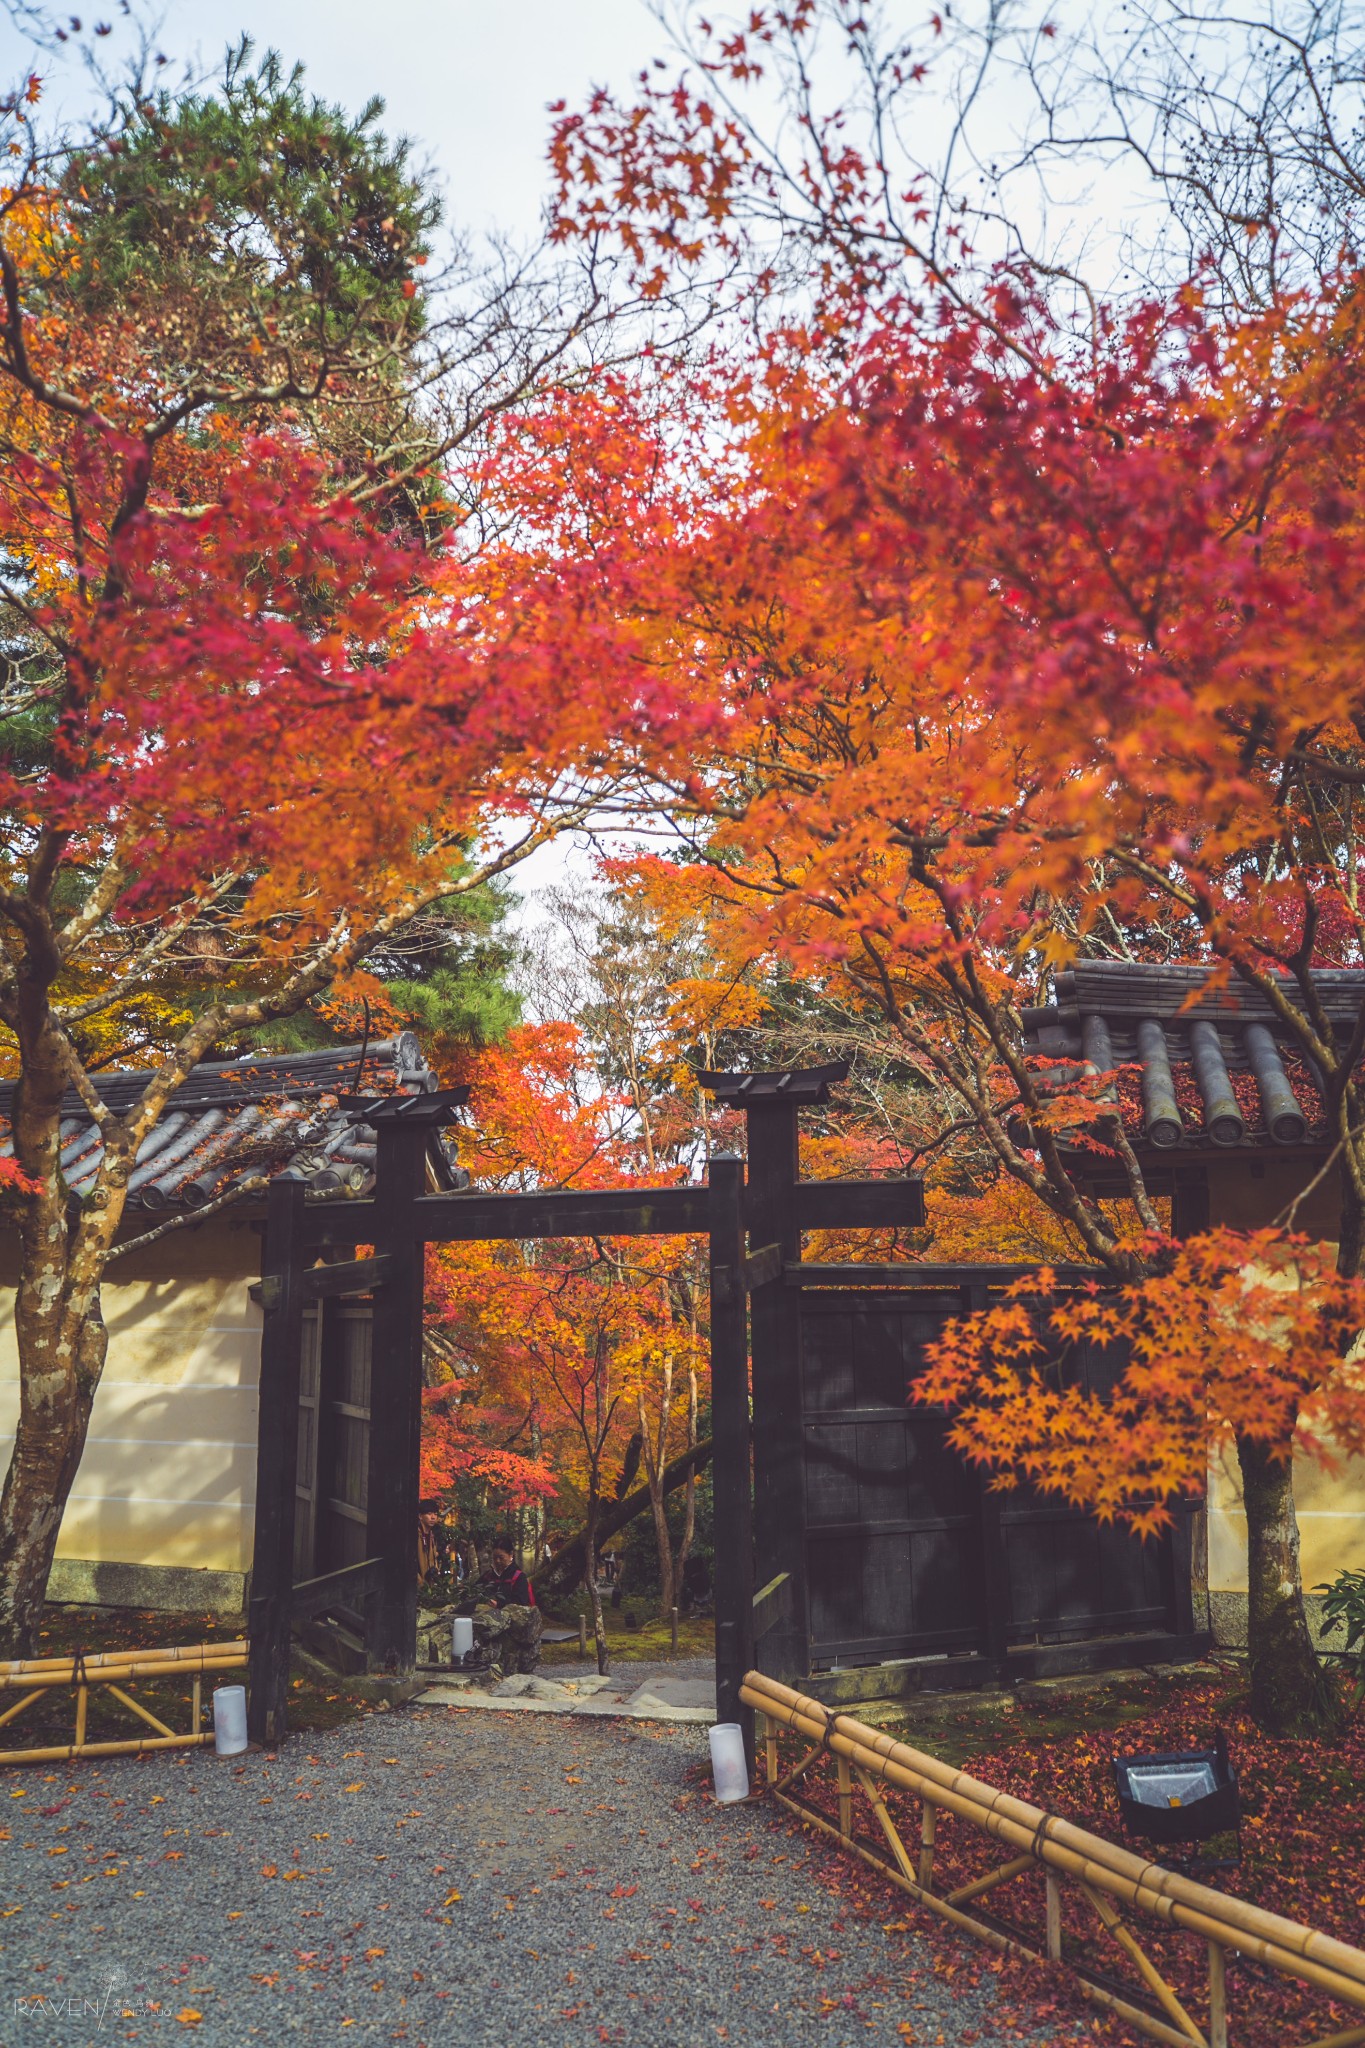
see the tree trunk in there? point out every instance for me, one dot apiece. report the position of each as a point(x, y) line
point(689, 1527)
point(663, 1542)
point(654, 1470)
point(59, 1330)
point(61, 1356)
point(599, 1626)
point(564, 1570)
point(1289, 1695)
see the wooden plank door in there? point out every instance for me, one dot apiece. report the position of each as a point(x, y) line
point(1072, 1578)
point(306, 1468)
point(908, 1553)
point(344, 1435)
point(893, 1530)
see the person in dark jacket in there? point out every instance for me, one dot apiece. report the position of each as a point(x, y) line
point(507, 1622)
point(507, 1584)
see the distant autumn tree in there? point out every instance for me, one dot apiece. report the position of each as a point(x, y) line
point(261, 691)
point(632, 964)
point(589, 1342)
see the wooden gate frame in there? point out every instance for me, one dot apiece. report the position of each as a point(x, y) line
point(754, 1221)
point(399, 1220)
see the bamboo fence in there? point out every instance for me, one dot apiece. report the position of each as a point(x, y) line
point(1116, 1884)
point(109, 1671)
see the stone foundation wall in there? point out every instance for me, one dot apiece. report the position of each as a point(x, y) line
point(167, 1589)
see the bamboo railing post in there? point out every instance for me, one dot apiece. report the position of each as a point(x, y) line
point(1115, 1880)
point(13, 1713)
point(1054, 1916)
point(113, 1670)
point(142, 1713)
point(770, 1747)
point(1146, 1968)
point(1218, 1996)
point(927, 1830)
point(673, 1622)
point(845, 1797)
point(888, 1826)
point(979, 1886)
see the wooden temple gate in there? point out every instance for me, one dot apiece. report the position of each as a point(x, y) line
point(856, 1554)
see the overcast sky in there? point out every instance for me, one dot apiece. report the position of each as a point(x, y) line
point(468, 80)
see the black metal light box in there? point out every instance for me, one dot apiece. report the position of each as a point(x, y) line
point(1179, 1795)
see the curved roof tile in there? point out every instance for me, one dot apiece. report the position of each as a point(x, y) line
point(234, 1120)
point(1203, 1063)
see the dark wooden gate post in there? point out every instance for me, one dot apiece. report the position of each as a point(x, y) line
point(402, 1127)
point(272, 1557)
point(731, 1484)
point(779, 1476)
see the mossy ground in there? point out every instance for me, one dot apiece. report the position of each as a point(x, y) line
point(958, 1727)
point(651, 1642)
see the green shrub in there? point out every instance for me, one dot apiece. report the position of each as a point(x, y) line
point(1343, 1608)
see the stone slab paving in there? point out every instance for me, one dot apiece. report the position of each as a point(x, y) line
point(434, 1875)
point(669, 1692)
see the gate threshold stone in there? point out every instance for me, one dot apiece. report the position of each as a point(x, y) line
point(657, 1698)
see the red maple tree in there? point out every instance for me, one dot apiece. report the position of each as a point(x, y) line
point(1028, 645)
point(268, 681)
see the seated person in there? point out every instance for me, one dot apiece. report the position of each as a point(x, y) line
point(428, 1541)
point(507, 1622)
point(506, 1585)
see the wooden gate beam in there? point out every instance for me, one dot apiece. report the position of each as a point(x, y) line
point(892, 1204)
point(402, 1128)
point(348, 1276)
point(731, 1485)
point(465, 1218)
point(770, 1214)
point(272, 1557)
point(910, 1277)
point(564, 1212)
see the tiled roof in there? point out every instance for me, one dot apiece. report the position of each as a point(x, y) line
point(790, 1084)
point(236, 1120)
point(1198, 1066)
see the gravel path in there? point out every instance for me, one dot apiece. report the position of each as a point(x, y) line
point(445, 1877)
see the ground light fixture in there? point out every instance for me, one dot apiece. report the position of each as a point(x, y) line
point(1180, 1796)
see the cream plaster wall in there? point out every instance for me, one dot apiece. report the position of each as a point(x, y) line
point(1331, 1513)
point(169, 1472)
point(1249, 1195)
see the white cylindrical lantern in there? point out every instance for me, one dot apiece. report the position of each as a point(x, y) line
point(728, 1767)
point(461, 1637)
point(229, 1719)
